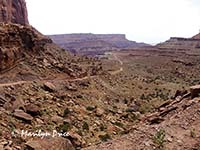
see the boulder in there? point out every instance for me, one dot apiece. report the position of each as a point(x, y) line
point(71, 87)
point(49, 87)
point(20, 114)
point(76, 139)
point(50, 144)
point(14, 104)
point(57, 119)
point(2, 100)
point(32, 109)
point(99, 112)
point(195, 91)
point(180, 93)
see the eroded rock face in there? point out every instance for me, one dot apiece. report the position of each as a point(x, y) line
point(197, 36)
point(179, 43)
point(15, 41)
point(13, 11)
point(195, 91)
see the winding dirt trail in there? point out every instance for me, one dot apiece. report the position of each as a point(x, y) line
point(13, 83)
point(24, 82)
point(120, 62)
point(77, 79)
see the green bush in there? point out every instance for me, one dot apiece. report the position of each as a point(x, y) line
point(64, 127)
point(119, 124)
point(193, 133)
point(66, 112)
point(85, 126)
point(102, 127)
point(159, 138)
point(105, 137)
point(90, 108)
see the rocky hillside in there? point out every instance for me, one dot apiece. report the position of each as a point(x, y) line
point(93, 44)
point(51, 99)
point(20, 44)
point(175, 126)
point(180, 43)
point(197, 36)
point(13, 11)
point(29, 63)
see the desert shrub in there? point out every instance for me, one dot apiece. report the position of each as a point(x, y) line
point(66, 112)
point(85, 126)
point(80, 132)
point(193, 133)
point(90, 108)
point(145, 107)
point(142, 97)
point(119, 124)
point(159, 138)
point(105, 137)
point(64, 127)
point(102, 127)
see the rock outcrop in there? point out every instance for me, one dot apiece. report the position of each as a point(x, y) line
point(195, 91)
point(197, 37)
point(15, 41)
point(13, 11)
point(180, 43)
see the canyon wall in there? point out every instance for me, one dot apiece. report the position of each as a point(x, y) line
point(180, 43)
point(13, 11)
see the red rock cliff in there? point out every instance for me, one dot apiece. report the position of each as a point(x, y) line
point(13, 11)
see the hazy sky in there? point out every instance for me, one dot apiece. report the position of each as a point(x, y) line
point(150, 21)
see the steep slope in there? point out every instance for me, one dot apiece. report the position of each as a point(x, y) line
point(24, 48)
point(174, 126)
point(197, 36)
point(176, 43)
point(31, 63)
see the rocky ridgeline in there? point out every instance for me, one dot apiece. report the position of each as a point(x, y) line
point(13, 11)
point(94, 43)
point(197, 37)
point(180, 43)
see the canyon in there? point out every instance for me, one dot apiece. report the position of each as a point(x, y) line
point(134, 97)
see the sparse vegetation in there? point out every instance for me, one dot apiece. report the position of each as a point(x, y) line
point(145, 107)
point(90, 108)
point(66, 112)
point(105, 137)
point(159, 138)
point(193, 133)
point(85, 126)
point(119, 124)
point(102, 127)
point(64, 127)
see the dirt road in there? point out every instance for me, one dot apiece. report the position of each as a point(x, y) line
point(120, 62)
point(77, 79)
